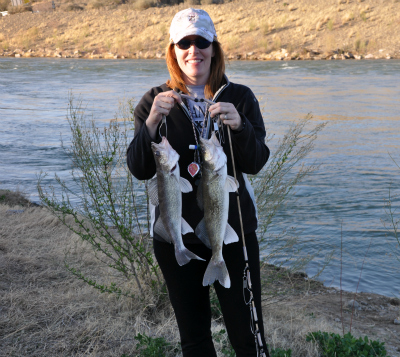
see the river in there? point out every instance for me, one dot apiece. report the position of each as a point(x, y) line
point(344, 199)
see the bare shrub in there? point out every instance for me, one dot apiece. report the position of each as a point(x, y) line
point(108, 206)
point(18, 9)
point(96, 4)
point(72, 7)
point(14, 198)
point(4, 5)
point(191, 2)
point(144, 4)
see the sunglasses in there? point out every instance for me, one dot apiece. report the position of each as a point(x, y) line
point(200, 42)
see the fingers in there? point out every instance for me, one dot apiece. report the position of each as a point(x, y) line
point(170, 97)
point(222, 108)
point(228, 114)
point(175, 95)
point(162, 104)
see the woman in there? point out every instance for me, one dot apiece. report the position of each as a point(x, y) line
point(196, 65)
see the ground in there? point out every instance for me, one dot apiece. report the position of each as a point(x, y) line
point(46, 311)
point(374, 318)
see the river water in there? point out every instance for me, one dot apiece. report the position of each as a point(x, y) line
point(360, 101)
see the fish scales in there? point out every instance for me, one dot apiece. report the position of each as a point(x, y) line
point(213, 198)
point(165, 190)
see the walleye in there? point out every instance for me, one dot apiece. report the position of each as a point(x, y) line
point(213, 197)
point(165, 190)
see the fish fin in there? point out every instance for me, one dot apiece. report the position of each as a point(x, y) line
point(161, 231)
point(185, 185)
point(185, 227)
point(230, 235)
point(201, 233)
point(216, 270)
point(231, 184)
point(200, 196)
point(153, 191)
point(184, 256)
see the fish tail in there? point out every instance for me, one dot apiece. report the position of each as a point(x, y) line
point(216, 270)
point(183, 256)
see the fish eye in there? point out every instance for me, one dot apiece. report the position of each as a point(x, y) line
point(158, 153)
point(173, 169)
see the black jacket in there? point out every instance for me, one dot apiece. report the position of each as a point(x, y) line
point(249, 150)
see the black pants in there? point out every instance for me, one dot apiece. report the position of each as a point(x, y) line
point(191, 302)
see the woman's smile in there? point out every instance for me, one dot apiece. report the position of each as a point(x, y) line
point(195, 63)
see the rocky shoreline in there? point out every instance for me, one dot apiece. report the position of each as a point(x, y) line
point(281, 55)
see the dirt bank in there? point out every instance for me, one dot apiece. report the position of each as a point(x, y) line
point(46, 311)
point(263, 30)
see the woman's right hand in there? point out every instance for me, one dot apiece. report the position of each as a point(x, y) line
point(162, 105)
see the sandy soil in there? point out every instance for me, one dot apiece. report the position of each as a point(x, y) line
point(264, 30)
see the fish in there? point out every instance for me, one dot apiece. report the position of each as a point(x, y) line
point(213, 198)
point(165, 191)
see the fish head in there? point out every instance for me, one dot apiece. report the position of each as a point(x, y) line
point(165, 156)
point(213, 153)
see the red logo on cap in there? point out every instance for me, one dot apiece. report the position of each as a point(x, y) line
point(192, 17)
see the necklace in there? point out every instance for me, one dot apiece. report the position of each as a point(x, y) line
point(194, 167)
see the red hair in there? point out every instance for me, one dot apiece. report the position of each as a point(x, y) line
point(217, 71)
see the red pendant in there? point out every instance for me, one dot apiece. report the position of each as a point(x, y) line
point(193, 169)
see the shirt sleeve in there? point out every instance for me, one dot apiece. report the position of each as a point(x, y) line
point(140, 158)
point(249, 148)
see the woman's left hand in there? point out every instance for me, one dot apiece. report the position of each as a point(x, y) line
point(228, 114)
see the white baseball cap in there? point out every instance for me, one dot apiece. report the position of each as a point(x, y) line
point(192, 22)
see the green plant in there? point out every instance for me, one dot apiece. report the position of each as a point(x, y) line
point(154, 347)
point(108, 207)
point(280, 352)
point(226, 347)
point(216, 311)
point(334, 345)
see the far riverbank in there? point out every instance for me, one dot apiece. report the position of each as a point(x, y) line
point(250, 30)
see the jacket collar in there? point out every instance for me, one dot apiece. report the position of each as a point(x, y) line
point(225, 84)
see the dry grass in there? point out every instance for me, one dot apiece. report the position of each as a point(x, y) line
point(45, 311)
point(288, 328)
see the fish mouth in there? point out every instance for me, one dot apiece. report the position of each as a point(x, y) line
point(166, 154)
point(162, 145)
point(210, 146)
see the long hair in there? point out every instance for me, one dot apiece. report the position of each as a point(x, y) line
point(217, 71)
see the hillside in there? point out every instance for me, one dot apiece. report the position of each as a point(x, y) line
point(298, 29)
